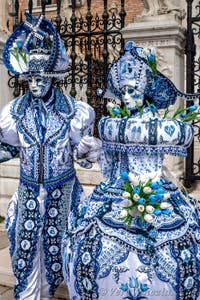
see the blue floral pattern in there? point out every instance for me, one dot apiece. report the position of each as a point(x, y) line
point(142, 261)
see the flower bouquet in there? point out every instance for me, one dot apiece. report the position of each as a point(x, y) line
point(144, 195)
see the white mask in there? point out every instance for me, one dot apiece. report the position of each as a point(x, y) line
point(39, 85)
point(132, 97)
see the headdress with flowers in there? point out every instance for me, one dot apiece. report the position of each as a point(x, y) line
point(137, 68)
point(35, 47)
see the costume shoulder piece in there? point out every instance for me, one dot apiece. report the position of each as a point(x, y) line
point(64, 104)
point(20, 105)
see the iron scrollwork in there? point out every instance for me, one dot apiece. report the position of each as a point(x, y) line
point(92, 42)
point(192, 165)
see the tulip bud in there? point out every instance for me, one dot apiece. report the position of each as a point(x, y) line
point(123, 214)
point(164, 205)
point(133, 179)
point(166, 196)
point(148, 218)
point(147, 190)
point(126, 195)
point(136, 197)
point(150, 209)
point(110, 105)
point(132, 213)
point(140, 208)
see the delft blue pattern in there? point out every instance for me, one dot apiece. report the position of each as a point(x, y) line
point(55, 223)
point(38, 64)
point(132, 68)
point(134, 289)
point(24, 248)
point(54, 171)
point(60, 184)
point(138, 149)
point(87, 266)
point(166, 254)
point(57, 63)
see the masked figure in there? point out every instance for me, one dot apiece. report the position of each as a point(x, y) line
point(48, 128)
point(138, 234)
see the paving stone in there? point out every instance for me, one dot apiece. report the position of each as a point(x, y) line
point(8, 295)
point(3, 289)
point(3, 240)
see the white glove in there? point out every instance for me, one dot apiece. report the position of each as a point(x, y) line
point(89, 148)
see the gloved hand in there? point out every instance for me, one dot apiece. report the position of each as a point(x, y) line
point(89, 149)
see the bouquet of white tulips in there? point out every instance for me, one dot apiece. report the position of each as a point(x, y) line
point(144, 195)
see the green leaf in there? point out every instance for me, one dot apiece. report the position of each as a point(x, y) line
point(111, 112)
point(125, 112)
point(128, 188)
point(166, 113)
point(178, 112)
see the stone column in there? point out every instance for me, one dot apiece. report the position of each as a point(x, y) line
point(166, 35)
point(6, 184)
point(5, 91)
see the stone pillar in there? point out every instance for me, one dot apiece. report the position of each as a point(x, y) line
point(166, 35)
point(6, 184)
point(5, 91)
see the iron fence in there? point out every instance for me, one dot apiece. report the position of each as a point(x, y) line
point(92, 42)
point(192, 164)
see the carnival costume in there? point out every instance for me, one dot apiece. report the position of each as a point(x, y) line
point(46, 131)
point(138, 234)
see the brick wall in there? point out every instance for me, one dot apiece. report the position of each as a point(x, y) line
point(132, 8)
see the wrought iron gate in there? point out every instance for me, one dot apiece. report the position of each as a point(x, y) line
point(90, 41)
point(192, 165)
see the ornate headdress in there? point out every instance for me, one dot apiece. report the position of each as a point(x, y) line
point(35, 47)
point(136, 69)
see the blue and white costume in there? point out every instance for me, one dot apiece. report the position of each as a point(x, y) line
point(46, 131)
point(106, 259)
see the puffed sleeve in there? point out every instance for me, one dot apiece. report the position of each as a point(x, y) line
point(86, 147)
point(8, 128)
point(83, 122)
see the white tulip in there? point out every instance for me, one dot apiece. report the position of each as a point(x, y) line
point(146, 51)
point(110, 105)
point(126, 195)
point(136, 197)
point(150, 209)
point(123, 214)
point(148, 218)
point(139, 102)
point(127, 202)
point(166, 196)
point(133, 179)
point(147, 190)
point(140, 208)
point(164, 205)
point(132, 213)
point(171, 107)
point(143, 179)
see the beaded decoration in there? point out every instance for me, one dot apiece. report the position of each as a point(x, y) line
point(36, 42)
point(134, 68)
